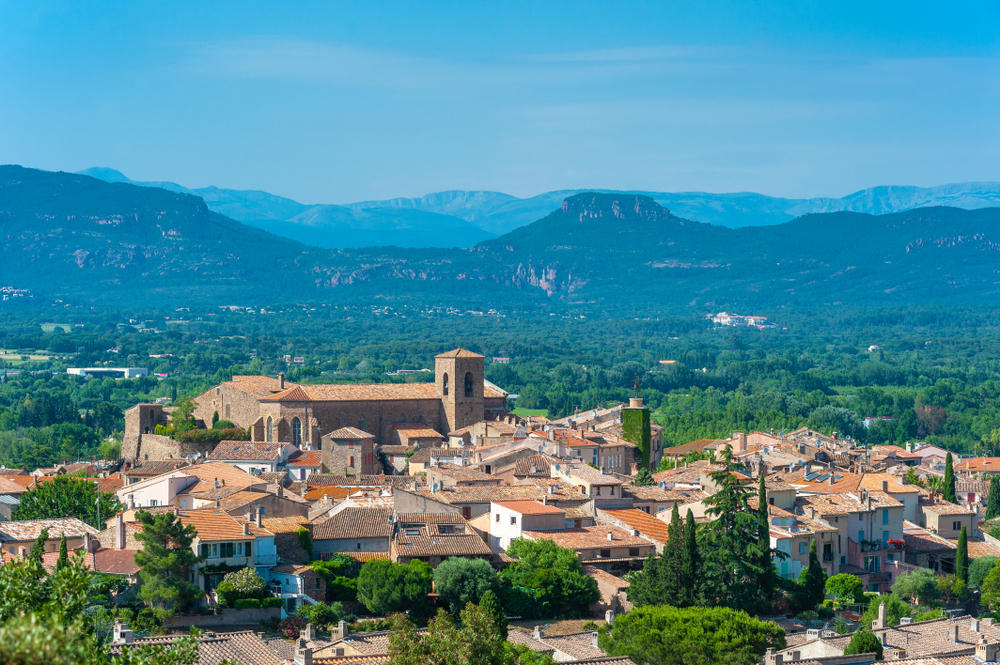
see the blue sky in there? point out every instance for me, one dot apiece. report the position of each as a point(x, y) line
point(336, 102)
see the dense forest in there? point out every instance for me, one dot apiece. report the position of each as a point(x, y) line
point(928, 374)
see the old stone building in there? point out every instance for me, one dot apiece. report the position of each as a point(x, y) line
point(276, 410)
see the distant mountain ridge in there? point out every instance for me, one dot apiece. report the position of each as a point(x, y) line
point(78, 238)
point(478, 215)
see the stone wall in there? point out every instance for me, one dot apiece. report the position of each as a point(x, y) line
point(147, 447)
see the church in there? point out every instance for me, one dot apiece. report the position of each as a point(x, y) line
point(276, 410)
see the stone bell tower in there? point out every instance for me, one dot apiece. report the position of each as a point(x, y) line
point(459, 376)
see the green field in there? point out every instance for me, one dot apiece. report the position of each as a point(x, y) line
point(16, 357)
point(52, 327)
point(524, 413)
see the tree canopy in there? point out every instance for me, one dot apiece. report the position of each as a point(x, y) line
point(67, 496)
point(164, 560)
point(665, 635)
point(546, 580)
point(385, 587)
point(460, 581)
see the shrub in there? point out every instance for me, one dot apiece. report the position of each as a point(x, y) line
point(210, 435)
point(241, 584)
point(322, 614)
point(224, 424)
point(290, 627)
point(246, 603)
point(271, 601)
point(462, 581)
point(864, 641)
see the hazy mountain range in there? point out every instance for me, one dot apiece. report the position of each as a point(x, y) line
point(75, 237)
point(463, 218)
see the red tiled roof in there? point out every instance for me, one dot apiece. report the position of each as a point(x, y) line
point(215, 525)
point(530, 507)
point(306, 458)
point(356, 522)
point(247, 450)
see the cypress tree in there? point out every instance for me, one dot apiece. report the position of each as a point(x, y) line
point(491, 605)
point(962, 557)
point(38, 547)
point(948, 491)
point(63, 553)
point(767, 581)
point(993, 503)
point(692, 564)
point(813, 579)
point(674, 582)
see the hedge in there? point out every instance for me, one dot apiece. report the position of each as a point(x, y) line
point(246, 603)
point(271, 601)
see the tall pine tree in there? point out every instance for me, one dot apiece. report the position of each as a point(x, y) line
point(993, 503)
point(734, 554)
point(962, 557)
point(948, 490)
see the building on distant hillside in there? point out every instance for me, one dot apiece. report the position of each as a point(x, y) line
point(109, 372)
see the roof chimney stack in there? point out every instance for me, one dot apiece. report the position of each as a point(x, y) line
point(281, 380)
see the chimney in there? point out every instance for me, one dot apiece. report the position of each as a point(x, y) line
point(309, 633)
point(22, 552)
point(545, 500)
point(885, 485)
point(260, 518)
point(121, 634)
point(880, 618)
point(593, 639)
point(303, 654)
point(611, 537)
point(987, 652)
point(281, 380)
point(829, 481)
point(772, 658)
point(246, 529)
point(120, 532)
point(536, 633)
point(340, 632)
point(974, 625)
point(88, 545)
point(954, 634)
point(281, 491)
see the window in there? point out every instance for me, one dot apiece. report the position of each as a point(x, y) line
point(770, 500)
point(468, 384)
point(226, 550)
point(633, 551)
point(873, 564)
point(885, 537)
point(598, 490)
point(350, 445)
point(297, 432)
point(154, 502)
point(444, 384)
point(248, 546)
point(269, 432)
point(466, 512)
point(228, 414)
point(358, 545)
point(885, 516)
point(513, 520)
point(605, 554)
point(350, 461)
point(861, 536)
point(957, 526)
point(803, 547)
point(498, 517)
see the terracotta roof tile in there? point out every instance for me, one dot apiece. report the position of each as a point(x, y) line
point(349, 433)
point(642, 522)
point(590, 537)
point(244, 647)
point(530, 507)
point(214, 525)
point(24, 530)
point(356, 522)
point(311, 458)
point(439, 545)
